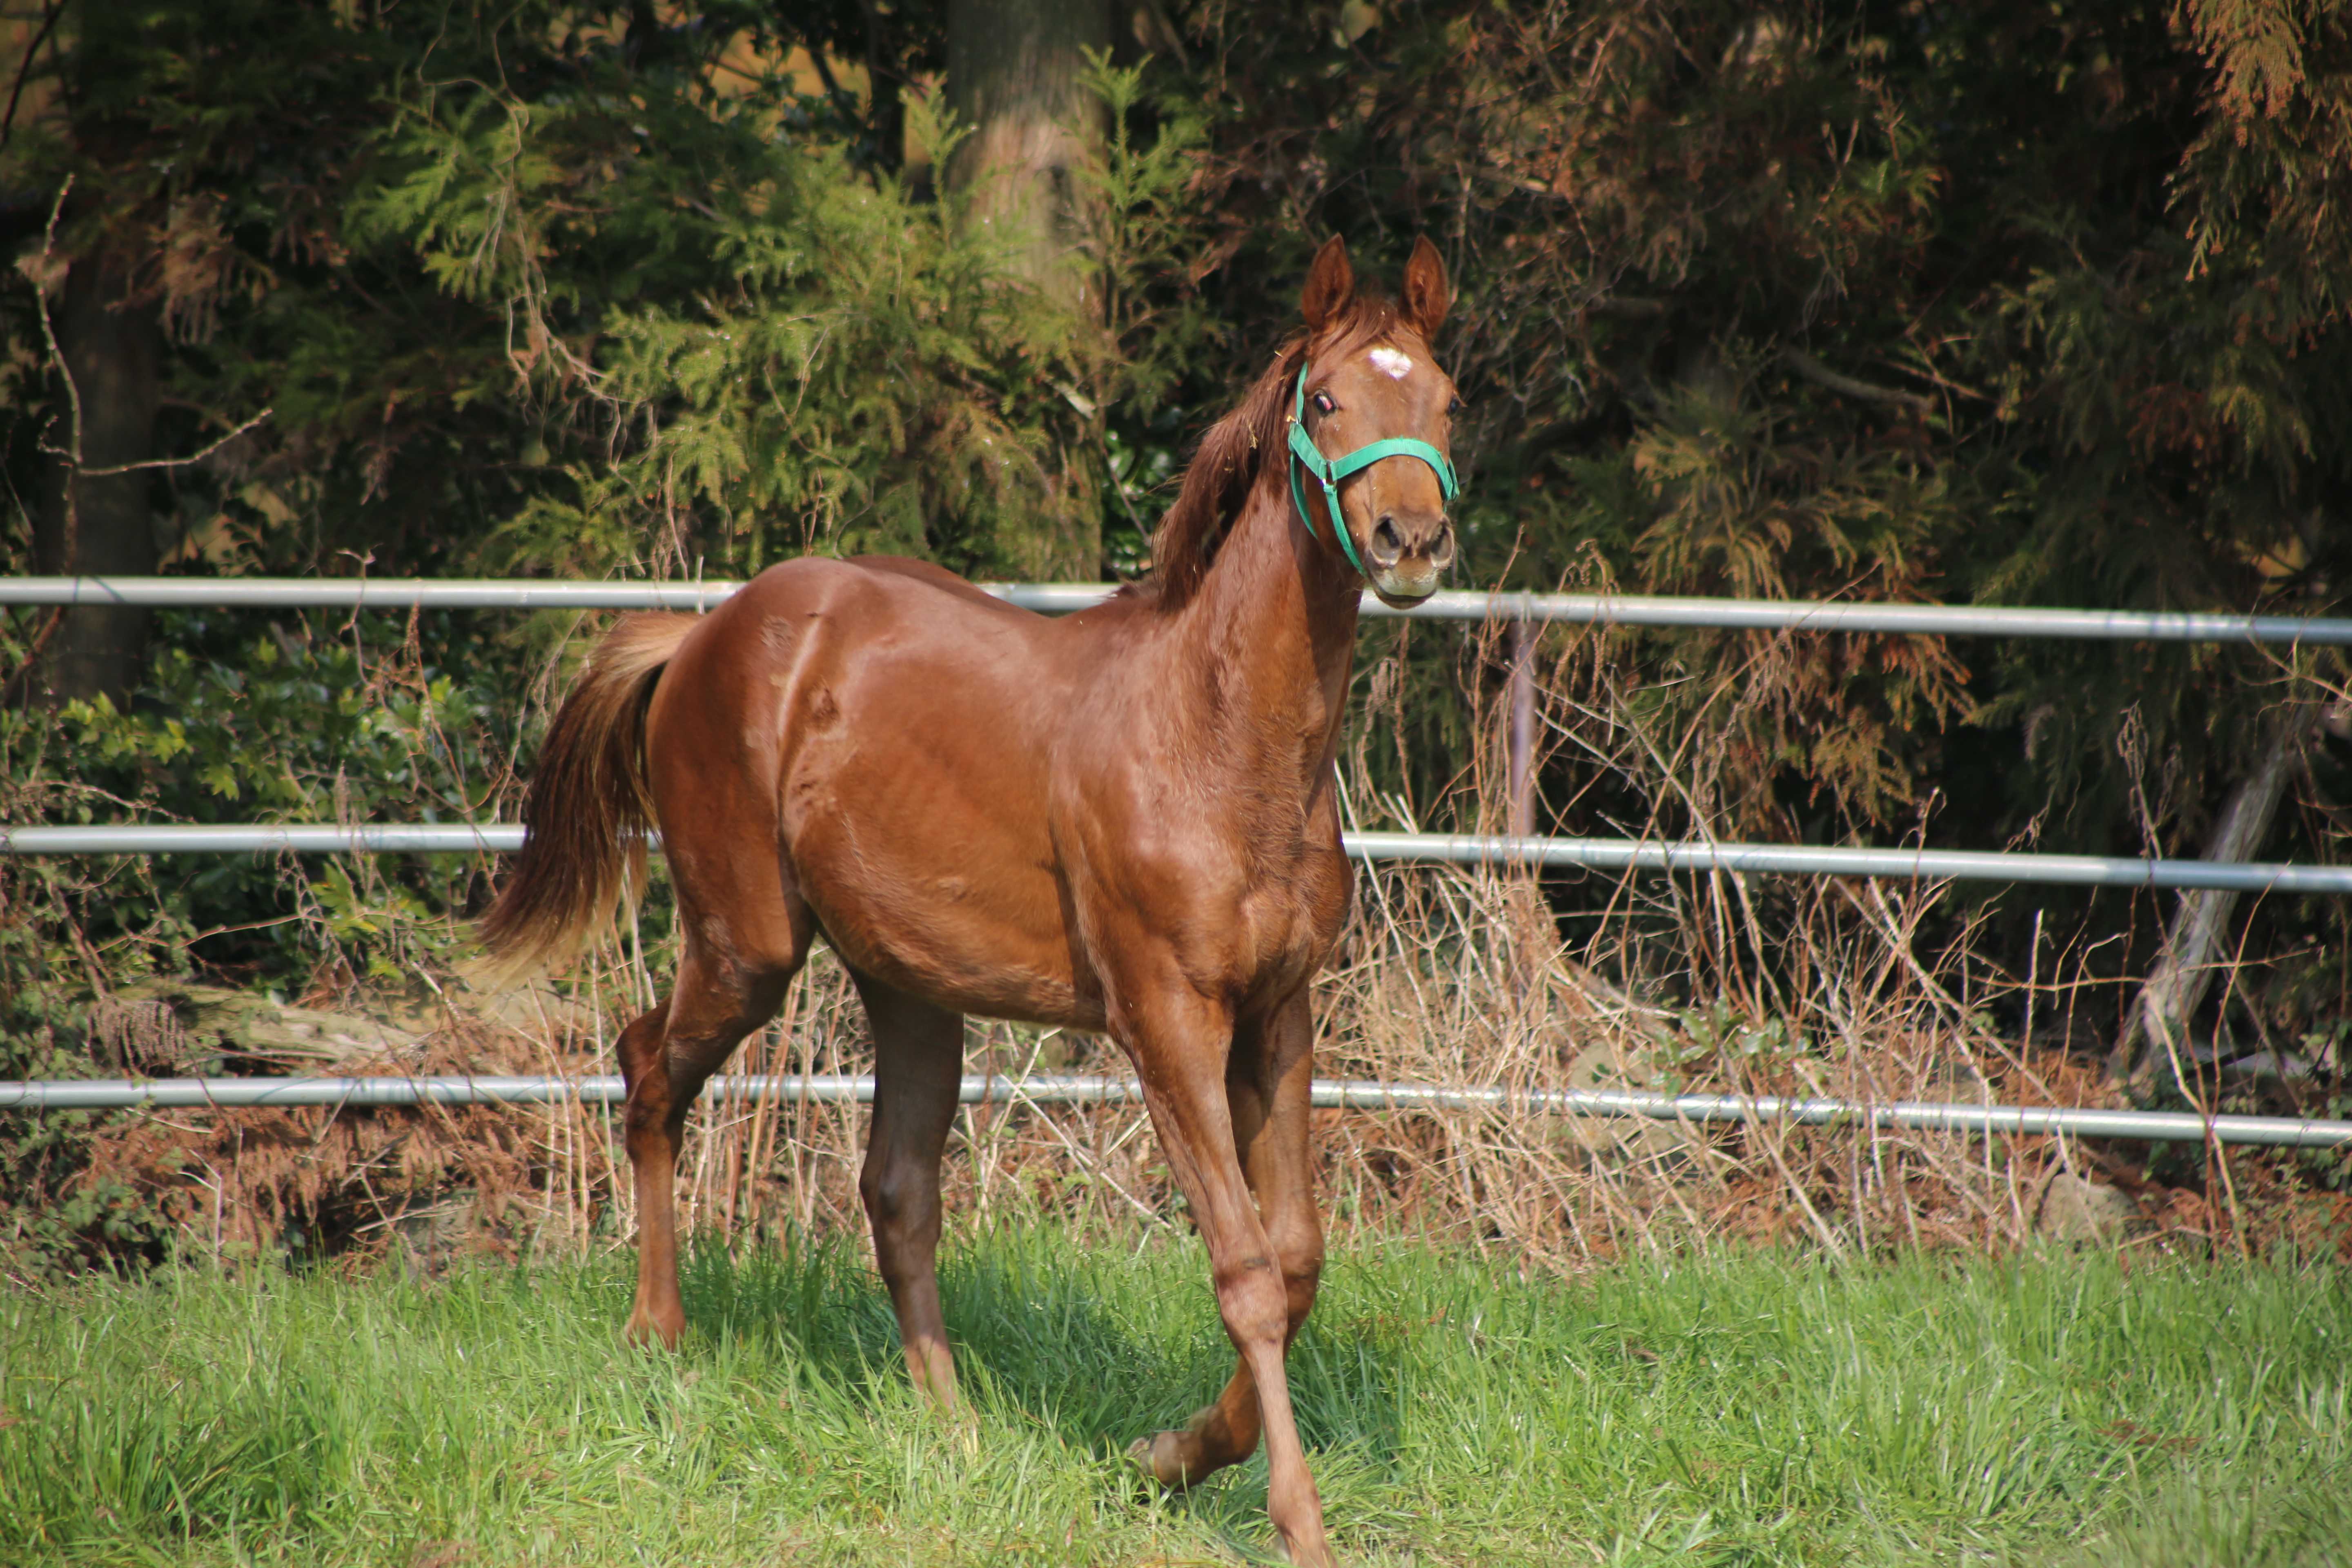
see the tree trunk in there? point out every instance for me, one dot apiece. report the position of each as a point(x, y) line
point(1014, 79)
point(113, 349)
point(102, 524)
point(886, 108)
point(2156, 1026)
point(1014, 70)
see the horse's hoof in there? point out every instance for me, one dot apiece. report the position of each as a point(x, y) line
point(1320, 1558)
point(1157, 1458)
point(647, 1334)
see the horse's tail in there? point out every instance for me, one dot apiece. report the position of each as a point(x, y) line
point(589, 808)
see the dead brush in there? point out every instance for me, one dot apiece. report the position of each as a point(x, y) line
point(247, 1183)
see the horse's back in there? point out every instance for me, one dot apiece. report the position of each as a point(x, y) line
point(930, 574)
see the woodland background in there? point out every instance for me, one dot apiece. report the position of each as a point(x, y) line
point(2006, 304)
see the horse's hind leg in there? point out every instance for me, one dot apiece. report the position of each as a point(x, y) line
point(917, 1071)
point(1268, 1077)
point(666, 1058)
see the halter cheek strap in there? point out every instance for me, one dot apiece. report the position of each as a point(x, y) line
point(1329, 472)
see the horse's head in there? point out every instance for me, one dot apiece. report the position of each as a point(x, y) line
point(1374, 408)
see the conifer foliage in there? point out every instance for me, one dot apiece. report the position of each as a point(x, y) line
point(560, 289)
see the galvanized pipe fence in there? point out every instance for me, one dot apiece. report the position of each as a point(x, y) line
point(1056, 598)
point(1455, 848)
point(1516, 850)
point(2151, 1126)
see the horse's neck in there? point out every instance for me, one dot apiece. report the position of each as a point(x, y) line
point(1277, 615)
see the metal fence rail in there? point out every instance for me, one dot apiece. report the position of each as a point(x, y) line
point(1832, 860)
point(1626, 610)
point(1545, 854)
point(2151, 1126)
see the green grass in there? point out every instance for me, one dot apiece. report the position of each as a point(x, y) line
point(1754, 1409)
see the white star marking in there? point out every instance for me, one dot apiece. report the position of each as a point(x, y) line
point(1390, 362)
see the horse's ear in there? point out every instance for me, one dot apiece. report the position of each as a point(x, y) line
point(1331, 283)
point(1426, 292)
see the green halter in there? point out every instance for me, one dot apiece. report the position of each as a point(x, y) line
point(1329, 472)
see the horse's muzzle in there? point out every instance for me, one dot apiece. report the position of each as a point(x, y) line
point(1407, 556)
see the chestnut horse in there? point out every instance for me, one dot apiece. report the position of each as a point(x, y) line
point(1122, 820)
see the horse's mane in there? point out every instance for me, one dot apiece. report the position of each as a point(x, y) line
point(1240, 448)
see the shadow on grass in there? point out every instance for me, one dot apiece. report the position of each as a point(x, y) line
point(1095, 1343)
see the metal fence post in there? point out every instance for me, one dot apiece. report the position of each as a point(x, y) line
point(1522, 779)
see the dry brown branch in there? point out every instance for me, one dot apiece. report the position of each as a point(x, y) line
point(1822, 375)
point(175, 462)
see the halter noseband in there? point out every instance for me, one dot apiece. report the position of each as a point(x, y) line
point(1329, 472)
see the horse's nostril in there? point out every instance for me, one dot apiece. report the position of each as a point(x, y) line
point(1387, 544)
point(1441, 551)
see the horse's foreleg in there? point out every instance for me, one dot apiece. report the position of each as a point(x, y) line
point(1267, 1079)
point(917, 1070)
point(1180, 1043)
point(666, 1058)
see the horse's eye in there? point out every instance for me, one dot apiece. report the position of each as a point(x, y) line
point(1452, 407)
point(1323, 403)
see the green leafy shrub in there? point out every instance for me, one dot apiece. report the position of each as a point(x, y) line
point(303, 720)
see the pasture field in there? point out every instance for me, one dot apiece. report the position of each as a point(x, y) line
point(1753, 1407)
